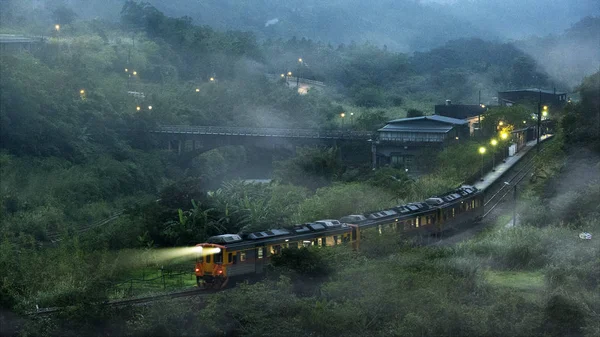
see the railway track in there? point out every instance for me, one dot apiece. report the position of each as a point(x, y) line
point(201, 293)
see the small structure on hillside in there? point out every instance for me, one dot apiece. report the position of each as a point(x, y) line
point(471, 113)
point(411, 143)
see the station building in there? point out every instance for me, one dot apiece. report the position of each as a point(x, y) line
point(473, 114)
point(410, 143)
point(534, 96)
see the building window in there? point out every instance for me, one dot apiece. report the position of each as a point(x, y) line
point(260, 253)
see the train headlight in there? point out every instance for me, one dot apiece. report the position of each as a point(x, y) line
point(198, 249)
point(197, 269)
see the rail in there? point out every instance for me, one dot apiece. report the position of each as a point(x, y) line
point(263, 132)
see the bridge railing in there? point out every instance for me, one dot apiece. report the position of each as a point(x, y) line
point(262, 132)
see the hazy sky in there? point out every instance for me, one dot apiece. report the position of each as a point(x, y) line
point(519, 18)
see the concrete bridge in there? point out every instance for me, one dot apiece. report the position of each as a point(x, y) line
point(183, 138)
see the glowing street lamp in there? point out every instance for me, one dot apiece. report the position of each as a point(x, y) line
point(149, 107)
point(212, 79)
point(300, 60)
point(138, 108)
point(134, 73)
point(82, 92)
point(343, 115)
point(282, 75)
point(494, 142)
point(482, 152)
point(126, 70)
point(57, 27)
point(352, 118)
point(197, 89)
point(501, 123)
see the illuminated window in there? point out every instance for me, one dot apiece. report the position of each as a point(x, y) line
point(242, 256)
point(320, 241)
point(260, 253)
point(417, 222)
point(306, 243)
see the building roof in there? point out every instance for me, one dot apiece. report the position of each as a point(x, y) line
point(429, 124)
point(535, 90)
point(416, 128)
point(460, 111)
point(436, 118)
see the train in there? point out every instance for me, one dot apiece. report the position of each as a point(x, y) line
point(225, 259)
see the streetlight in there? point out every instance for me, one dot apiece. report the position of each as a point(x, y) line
point(138, 108)
point(504, 137)
point(342, 115)
point(212, 79)
point(352, 118)
point(494, 142)
point(197, 89)
point(57, 27)
point(149, 107)
point(134, 73)
point(501, 123)
point(300, 60)
point(482, 152)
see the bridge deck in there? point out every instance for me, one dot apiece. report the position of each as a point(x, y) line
point(263, 132)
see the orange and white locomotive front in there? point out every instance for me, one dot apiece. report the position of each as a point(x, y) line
point(210, 270)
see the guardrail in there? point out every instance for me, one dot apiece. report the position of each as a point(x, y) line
point(294, 79)
point(263, 132)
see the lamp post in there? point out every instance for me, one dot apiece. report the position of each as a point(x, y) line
point(504, 137)
point(342, 115)
point(482, 152)
point(352, 119)
point(494, 142)
point(298, 77)
point(57, 28)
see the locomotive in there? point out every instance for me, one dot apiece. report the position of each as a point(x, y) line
point(223, 259)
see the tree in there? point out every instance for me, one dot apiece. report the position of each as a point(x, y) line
point(63, 15)
point(414, 113)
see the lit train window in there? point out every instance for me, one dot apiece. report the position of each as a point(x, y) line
point(320, 241)
point(417, 222)
point(306, 243)
point(242, 256)
point(260, 253)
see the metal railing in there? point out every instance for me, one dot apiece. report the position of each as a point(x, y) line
point(263, 132)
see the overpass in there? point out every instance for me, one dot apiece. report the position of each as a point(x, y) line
point(194, 138)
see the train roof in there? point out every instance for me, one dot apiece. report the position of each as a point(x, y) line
point(333, 226)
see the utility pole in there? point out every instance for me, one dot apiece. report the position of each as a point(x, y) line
point(539, 121)
point(515, 206)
